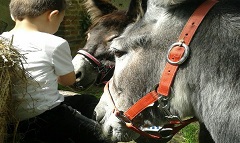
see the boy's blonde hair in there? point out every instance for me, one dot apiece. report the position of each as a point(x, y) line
point(32, 8)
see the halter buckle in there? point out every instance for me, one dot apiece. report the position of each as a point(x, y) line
point(185, 55)
point(120, 115)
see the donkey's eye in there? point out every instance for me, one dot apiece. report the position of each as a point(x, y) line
point(111, 37)
point(119, 53)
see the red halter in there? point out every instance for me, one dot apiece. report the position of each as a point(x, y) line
point(177, 54)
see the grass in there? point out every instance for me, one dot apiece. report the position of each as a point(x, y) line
point(189, 134)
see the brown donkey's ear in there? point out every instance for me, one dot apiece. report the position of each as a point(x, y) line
point(137, 8)
point(98, 8)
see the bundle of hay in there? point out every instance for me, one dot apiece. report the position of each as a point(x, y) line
point(10, 69)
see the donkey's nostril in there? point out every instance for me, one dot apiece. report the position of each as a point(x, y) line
point(97, 117)
point(78, 74)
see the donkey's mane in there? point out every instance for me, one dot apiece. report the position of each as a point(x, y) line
point(116, 19)
point(103, 12)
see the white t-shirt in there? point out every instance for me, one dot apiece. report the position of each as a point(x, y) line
point(47, 57)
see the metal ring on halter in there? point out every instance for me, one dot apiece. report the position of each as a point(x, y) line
point(120, 115)
point(185, 55)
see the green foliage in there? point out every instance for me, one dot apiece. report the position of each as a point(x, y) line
point(190, 133)
point(84, 21)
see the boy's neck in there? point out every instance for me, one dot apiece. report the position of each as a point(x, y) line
point(31, 24)
point(25, 25)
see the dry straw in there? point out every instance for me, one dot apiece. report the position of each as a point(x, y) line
point(11, 68)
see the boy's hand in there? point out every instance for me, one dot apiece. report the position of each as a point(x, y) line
point(67, 79)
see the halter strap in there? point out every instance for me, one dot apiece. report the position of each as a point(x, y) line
point(184, 38)
point(103, 70)
point(175, 54)
point(91, 57)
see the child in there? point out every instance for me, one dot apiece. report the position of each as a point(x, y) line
point(42, 111)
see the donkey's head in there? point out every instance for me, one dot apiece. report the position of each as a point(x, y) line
point(142, 61)
point(94, 63)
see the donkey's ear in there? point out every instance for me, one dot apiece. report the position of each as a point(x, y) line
point(137, 8)
point(98, 8)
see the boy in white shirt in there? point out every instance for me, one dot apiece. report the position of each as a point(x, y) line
point(42, 111)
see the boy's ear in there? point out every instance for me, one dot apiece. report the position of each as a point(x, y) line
point(52, 14)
